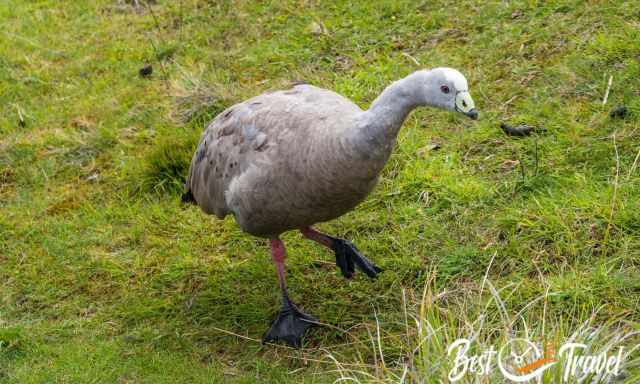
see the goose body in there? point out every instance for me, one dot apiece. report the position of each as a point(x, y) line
point(281, 161)
point(289, 159)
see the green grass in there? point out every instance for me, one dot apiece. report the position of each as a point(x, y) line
point(105, 277)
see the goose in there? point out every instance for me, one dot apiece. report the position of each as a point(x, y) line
point(289, 159)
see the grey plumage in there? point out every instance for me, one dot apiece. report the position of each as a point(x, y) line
point(288, 159)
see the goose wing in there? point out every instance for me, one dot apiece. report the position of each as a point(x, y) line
point(225, 149)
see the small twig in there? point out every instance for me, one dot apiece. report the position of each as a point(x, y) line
point(153, 45)
point(330, 362)
point(509, 101)
point(536, 156)
point(155, 18)
point(181, 15)
point(522, 170)
point(615, 195)
point(416, 62)
point(248, 338)
point(486, 273)
point(633, 167)
point(21, 120)
point(406, 317)
point(375, 313)
point(606, 94)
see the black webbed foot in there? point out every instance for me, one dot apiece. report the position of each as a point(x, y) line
point(348, 257)
point(290, 325)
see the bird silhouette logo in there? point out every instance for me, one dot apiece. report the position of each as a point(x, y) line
point(521, 360)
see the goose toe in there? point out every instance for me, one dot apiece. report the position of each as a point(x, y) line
point(348, 257)
point(290, 326)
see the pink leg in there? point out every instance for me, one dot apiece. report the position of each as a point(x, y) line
point(316, 236)
point(278, 255)
point(291, 323)
point(348, 257)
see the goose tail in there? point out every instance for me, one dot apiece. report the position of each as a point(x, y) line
point(187, 197)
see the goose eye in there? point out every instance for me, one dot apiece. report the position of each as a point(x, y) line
point(444, 89)
point(464, 103)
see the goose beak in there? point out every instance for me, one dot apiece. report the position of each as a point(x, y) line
point(464, 104)
point(473, 114)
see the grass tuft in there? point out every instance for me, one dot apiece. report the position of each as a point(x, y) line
point(477, 312)
point(167, 164)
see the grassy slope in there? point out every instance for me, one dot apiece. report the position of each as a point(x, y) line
point(107, 278)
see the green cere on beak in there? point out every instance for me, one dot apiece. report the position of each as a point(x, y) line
point(465, 104)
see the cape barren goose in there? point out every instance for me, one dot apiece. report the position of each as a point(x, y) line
point(289, 159)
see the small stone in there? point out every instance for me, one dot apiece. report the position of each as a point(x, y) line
point(518, 131)
point(509, 164)
point(433, 146)
point(206, 358)
point(317, 29)
point(619, 112)
point(146, 71)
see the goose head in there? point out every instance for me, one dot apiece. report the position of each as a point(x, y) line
point(447, 88)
